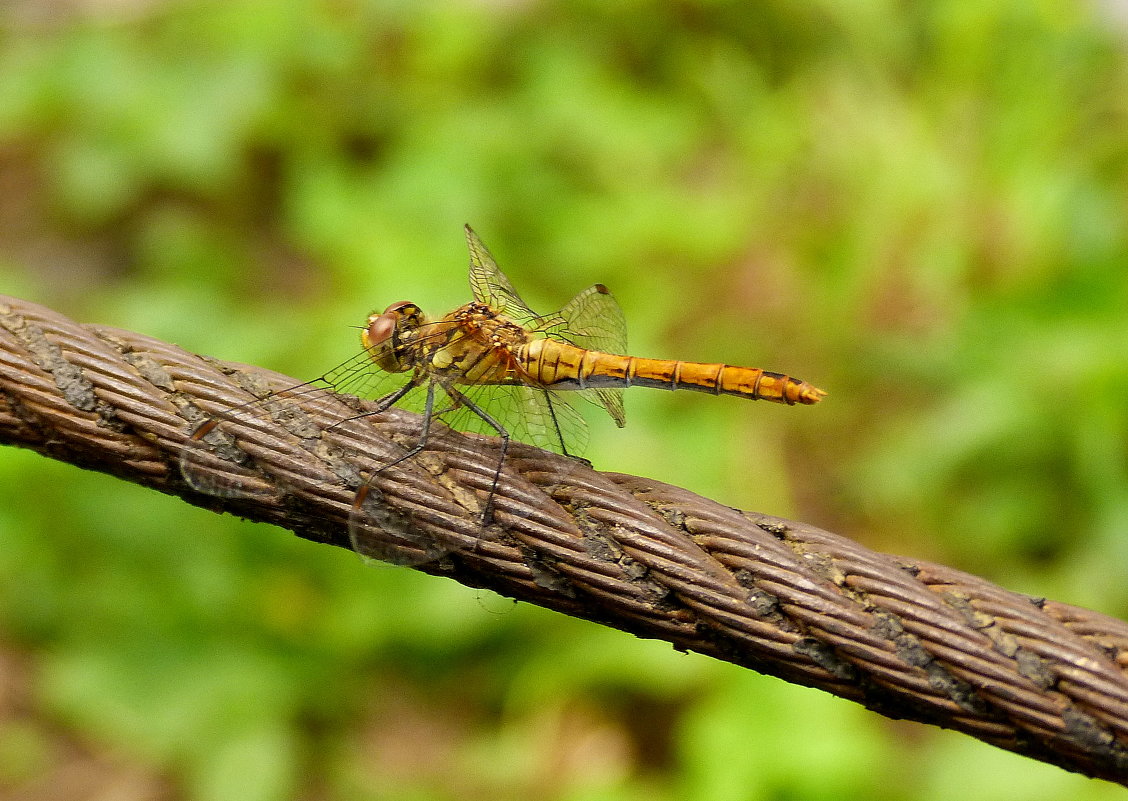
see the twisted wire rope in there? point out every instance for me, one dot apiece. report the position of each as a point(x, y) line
point(906, 638)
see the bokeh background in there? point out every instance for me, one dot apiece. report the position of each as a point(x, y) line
point(919, 207)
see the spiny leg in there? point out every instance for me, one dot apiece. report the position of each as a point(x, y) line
point(424, 434)
point(553, 403)
point(555, 423)
point(385, 403)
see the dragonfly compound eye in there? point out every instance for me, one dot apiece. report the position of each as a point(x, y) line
point(380, 329)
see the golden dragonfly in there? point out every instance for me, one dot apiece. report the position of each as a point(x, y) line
point(491, 366)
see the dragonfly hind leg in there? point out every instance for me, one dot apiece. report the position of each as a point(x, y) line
point(561, 440)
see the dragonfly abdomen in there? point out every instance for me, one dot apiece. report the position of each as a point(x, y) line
point(562, 366)
point(720, 379)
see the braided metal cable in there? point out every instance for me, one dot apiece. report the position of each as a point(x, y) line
point(908, 639)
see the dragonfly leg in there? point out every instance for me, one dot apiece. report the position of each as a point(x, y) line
point(461, 399)
point(424, 434)
point(381, 518)
point(385, 403)
point(561, 441)
point(555, 423)
point(388, 401)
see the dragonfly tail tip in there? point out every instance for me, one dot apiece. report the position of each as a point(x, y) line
point(811, 394)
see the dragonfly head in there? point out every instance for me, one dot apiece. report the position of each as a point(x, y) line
point(386, 334)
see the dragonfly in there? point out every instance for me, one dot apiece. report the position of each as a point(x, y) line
point(492, 366)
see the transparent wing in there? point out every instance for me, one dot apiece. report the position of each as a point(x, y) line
point(378, 529)
point(529, 414)
point(593, 320)
point(491, 287)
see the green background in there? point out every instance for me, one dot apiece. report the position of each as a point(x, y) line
point(918, 207)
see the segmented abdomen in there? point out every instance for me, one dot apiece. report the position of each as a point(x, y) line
point(558, 365)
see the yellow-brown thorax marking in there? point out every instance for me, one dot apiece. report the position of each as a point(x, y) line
point(473, 345)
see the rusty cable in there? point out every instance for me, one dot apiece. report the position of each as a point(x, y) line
point(906, 638)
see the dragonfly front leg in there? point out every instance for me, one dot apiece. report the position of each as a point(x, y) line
point(382, 405)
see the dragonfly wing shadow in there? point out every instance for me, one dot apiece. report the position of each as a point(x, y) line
point(379, 531)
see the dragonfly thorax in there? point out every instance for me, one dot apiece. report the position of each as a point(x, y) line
point(472, 344)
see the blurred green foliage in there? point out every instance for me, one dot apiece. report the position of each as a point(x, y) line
point(920, 208)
